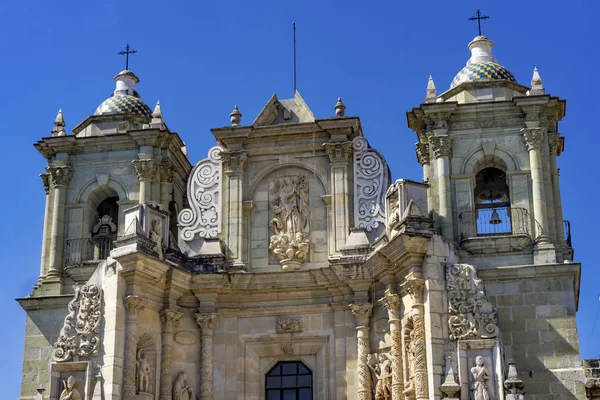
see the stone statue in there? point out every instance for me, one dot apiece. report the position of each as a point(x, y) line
point(381, 365)
point(144, 372)
point(70, 392)
point(182, 389)
point(156, 237)
point(481, 378)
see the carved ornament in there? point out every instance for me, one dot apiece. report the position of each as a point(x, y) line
point(338, 152)
point(472, 316)
point(133, 305)
point(391, 301)
point(80, 332)
point(234, 161)
point(289, 325)
point(204, 195)
point(533, 137)
point(554, 143)
point(422, 150)
point(370, 183)
point(362, 313)
point(414, 287)
point(287, 349)
point(169, 318)
point(167, 172)
point(207, 323)
point(145, 168)
point(441, 145)
point(46, 182)
point(61, 175)
point(381, 374)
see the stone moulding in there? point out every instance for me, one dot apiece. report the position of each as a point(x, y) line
point(204, 193)
point(79, 334)
point(370, 183)
point(289, 325)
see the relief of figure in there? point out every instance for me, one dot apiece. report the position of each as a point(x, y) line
point(70, 392)
point(381, 365)
point(481, 379)
point(144, 372)
point(156, 237)
point(182, 390)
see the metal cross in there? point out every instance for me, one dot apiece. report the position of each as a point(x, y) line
point(479, 17)
point(127, 52)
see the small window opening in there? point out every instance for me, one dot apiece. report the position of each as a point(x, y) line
point(289, 380)
point(492, 202)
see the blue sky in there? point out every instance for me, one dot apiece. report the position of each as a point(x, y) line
point(200, 58)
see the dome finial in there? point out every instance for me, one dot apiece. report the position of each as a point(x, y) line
point(537, 87)
point(59, 125)
point(481, 51)
point(340, 108)
point(235, 116)
point(431, 95)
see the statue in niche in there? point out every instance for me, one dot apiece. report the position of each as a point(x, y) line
point(144, 372)
point(381, 366)
point(156, 237)
point(182, 390)
point(289, 242)
point(70, 392)
point(481, 379)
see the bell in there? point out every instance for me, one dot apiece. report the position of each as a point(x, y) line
point(495, 220)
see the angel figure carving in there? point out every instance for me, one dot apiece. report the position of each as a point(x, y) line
point(182, 390)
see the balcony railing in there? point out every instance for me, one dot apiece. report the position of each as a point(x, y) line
point(499, 221)
point(78, 251)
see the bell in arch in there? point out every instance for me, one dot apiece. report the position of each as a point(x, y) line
point(495, 220)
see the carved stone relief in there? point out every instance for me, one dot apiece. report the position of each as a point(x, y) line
point(290, 231)
point(289, 325)
point(471, 314)
point(182, 390)
point(370, 183)
point(381, 375)
point(204, 194)
point(79, 334)
point(69, 391)
point(144, 372)
point(480, 381)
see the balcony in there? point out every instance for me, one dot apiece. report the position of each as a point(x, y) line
point(492, 230)
point(87, 250)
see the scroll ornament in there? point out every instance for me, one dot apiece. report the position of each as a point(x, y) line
point(472, 316)
point(204, 193)
point(79, 334)
point(371, 178)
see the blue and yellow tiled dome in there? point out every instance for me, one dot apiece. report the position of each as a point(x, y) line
point(482, 71)
point(124, 104)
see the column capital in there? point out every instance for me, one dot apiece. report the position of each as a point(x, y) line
point(61, 175)
point(391, 301)
point(207, 323)
point(145, 168)
point(422, 150)
point(533, 137)
point(414, 287)
point(362, 313)
point(134, 304)
point(338, 152)
point(554, 143)
point(441, 145)
point(46, 182)
point(169, 318)
point(167, 172)
point(234, 161)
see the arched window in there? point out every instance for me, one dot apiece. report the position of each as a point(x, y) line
point(492, 202)
point(289, 380)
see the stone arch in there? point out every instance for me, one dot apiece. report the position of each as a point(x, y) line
point(97, 185)
point(476, 159)
point(263, 173)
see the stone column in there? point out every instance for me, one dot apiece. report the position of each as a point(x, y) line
point(424, 159)
point(166, 184)
point(234, 163)
point(61, 177)
point(44, 261)
point(391, 302)
point(441, 148)
point(169, 319)
point(339, 156)
point(414, 287)
point(145, 170)
point(554, 145)
point(207, 324)
point(133, 305)
point(362, 313)
point(533, 140)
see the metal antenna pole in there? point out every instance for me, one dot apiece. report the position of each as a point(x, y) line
point(294, 58)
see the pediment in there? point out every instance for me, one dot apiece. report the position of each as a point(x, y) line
point(285, 111)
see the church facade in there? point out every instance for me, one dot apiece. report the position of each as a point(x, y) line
point(287, 265)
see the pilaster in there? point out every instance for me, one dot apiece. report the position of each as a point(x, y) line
point(169, 319)
point(44, 261)
point(340, 154)
point(362, 314)
point(167, 172)
point(207, 323)
point(442, 146)
point(145, 169)
point(234, 163)
point(133, 305)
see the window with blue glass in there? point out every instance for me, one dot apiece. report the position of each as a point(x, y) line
point(289, 380)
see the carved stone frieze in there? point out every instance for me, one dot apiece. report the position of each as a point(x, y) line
point(234, 161)
point(204, 192)
point(145, 168)
point(486, 123)
point(61, 175)
point(415, 352)
point(80, 332)
point(370, 183)
point(422, 150)
point(338, 152)
point(533, 137)
point(289, 325)
point(167, 172)
point(441, 145)
point(290, 230)
point(46, 182)
point(472, 316)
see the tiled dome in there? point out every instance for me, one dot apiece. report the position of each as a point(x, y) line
point(482, 71)
point(124, 104)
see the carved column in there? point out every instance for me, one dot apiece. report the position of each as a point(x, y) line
point(43, 264)
point(133, 305)
point(424, 159)
point(555, 149)
point(145, 170)
point(391, 302)
point(362, 313)
point(61, 178)
point(168, 319)
point(339, 153)
point(442, 145)
point(167, 172)
point(414, 287)
point(533, 140)
point(207, 324)
point(234, 163)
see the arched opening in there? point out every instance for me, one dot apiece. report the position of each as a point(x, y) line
point(492, 202)
point(289, 380)
point(104, 231)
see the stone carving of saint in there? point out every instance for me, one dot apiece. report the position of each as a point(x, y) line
point(156, 237)
point(182, 389)
point(381, 365)
point(481, 379)
point(144, 371)
point(70, 392)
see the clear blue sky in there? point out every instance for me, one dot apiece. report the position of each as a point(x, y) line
point(199, 58)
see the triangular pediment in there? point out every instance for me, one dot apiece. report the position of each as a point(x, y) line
point(286, 111)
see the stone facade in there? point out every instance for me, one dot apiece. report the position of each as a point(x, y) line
point(288, 248)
